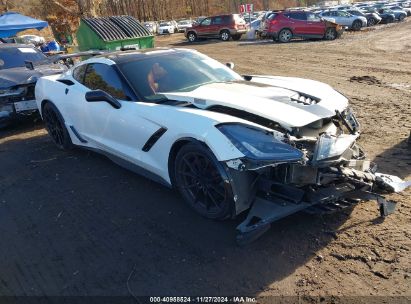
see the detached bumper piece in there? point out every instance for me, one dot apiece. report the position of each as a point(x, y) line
point(275, 201)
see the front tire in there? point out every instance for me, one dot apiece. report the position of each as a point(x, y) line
point(225, 35)
point(330, 34)
point(285, 35)
point(236, 37)
point(401, 18)
point(55, 127)
point(371, 22)
point(202, 181)
point(191, 37)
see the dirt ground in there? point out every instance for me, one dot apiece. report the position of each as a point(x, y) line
point(74, 223)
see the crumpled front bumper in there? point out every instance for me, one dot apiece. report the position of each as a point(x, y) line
point(276, 201)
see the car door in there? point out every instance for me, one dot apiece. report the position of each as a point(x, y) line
point(316, 26)
point(204, 27)
point(121, 132)
point(297, 22)
point(216, 24)
point(344, 18)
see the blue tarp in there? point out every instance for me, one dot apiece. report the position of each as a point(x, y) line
point(11, 23)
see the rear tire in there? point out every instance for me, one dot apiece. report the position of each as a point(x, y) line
point(356, 25)
point(236, 37)
point(55, 127)
point(225, 35)
point(202, 182)
point(401, 18)
point(285, 35)
point(330, 34)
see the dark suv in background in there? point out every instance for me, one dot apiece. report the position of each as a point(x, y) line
point(285, 25)
point(222, 26)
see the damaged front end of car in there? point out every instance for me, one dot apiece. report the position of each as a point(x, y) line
point(286, 172)
point(16, 102)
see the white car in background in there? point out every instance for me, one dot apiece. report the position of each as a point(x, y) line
point(151, 26)
point(268, 146)
point(166, 28)
point(183, 24)
point(344, 18)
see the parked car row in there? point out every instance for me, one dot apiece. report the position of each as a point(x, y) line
point(302, 22)
point(168, 27)
point(327, 22)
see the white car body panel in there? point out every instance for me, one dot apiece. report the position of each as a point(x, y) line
point(103, 127)
point(271, 101)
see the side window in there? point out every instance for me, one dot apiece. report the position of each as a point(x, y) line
point(299, 16)
point(104, 77)
point(78, 73)
point(206, 22)
point(312, 17)
point(217, 20)
point(326, 14)
point(227, 19)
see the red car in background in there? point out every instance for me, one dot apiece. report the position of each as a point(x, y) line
point(221, 26)
point(285, 25)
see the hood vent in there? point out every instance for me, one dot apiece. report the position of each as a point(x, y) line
point(305, 99)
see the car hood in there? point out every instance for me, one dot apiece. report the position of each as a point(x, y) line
point(22, 75)
point(291, 102)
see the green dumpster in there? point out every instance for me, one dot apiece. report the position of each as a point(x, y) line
point(113, 33)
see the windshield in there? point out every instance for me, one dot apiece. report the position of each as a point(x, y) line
point(165, 24)
point(15, 56)
point(174, 72)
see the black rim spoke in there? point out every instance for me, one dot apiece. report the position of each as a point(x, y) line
point(217, 190)
point(54, 126)
point(202, 182)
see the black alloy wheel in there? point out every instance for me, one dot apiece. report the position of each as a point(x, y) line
point(202, 182)
point(55, 127)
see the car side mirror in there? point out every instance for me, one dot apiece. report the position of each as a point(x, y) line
point(101, 96)
point(230, 65)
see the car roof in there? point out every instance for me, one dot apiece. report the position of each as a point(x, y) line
point(126, 56)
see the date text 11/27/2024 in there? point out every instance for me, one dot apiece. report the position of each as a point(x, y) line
point(238, 299)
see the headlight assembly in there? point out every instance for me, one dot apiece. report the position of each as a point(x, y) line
point(329, 146)
point(259, 144)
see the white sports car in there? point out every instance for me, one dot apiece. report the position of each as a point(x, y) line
point(228, 143)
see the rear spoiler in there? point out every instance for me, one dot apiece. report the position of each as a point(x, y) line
point(58, 57)
point(55, 58)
